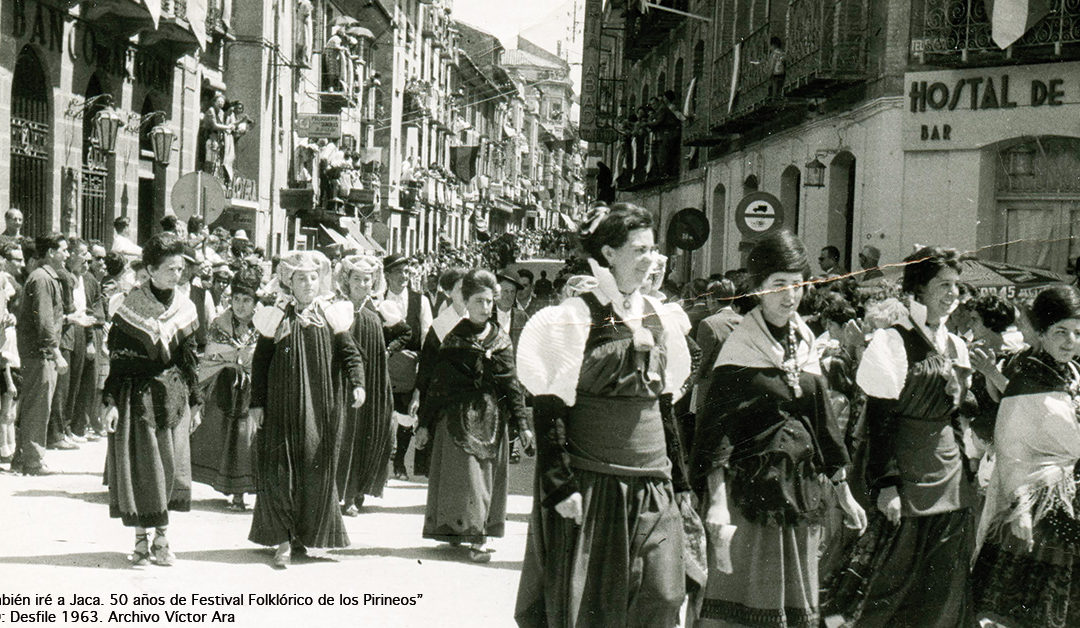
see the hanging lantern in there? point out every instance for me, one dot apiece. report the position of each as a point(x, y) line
point(1020, 161)
point(815, 174)
point(162, 138)
point(107, 123)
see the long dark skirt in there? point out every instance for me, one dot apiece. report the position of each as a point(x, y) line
point(623, 567)
point(296, 449)
point(914, 574)
point(774, 581)
point(368, 437)
point(221, 447)
point(1039, 589)
point(466, 500)
point(148, 469)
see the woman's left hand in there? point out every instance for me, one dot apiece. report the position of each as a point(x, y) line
point(854, 515)
point(358, 396)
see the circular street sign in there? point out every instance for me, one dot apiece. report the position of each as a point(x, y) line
point(688, 229)
point(758, 214)
point(198, 191)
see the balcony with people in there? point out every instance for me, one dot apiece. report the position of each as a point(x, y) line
point(646, 29)
point(818, 48)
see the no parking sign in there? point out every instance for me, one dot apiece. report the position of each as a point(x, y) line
point(759, 214)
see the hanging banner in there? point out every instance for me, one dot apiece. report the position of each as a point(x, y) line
point(590, 71)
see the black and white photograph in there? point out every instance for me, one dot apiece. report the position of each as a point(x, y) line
point(540, 313)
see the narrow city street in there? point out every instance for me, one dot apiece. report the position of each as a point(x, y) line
point(58, 539)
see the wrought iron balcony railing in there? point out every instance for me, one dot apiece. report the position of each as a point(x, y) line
point(954, 32)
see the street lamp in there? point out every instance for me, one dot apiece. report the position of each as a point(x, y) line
point(107, 123)
point(815, 174)
point(1020, 161)
point(162, 138)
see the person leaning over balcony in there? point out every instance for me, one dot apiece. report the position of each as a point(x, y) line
point(606, 541)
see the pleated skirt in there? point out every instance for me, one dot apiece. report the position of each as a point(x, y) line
point(912, 574)
point(148, 469)
point(222, 453)
point(622, 567)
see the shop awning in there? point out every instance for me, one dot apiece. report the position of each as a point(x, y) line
point(122, 18)
point(355, 232)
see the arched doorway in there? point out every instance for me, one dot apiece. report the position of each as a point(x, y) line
point(30, 185)
point(1038, 201)
point(717, 233)
point(95, 169)
point(790, 193)
point(841, 223)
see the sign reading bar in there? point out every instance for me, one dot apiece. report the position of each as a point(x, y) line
point(971, 108)
point(318, 125)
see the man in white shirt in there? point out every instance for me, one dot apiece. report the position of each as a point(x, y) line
point(122, 243)
point(404, 360)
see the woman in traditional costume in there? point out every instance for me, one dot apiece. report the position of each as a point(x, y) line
point(221, 449)
point(766, 448)
point(151, 400)
point(469, 398)
point(908, 568)
point(605, 544)
point(1028, 569)
point(368, 438)
point(305, 361)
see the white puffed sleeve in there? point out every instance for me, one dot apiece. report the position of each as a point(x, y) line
point(339, 315)
point(551, 349)
point(883, 369)
point(267, 319)
point(676, 326)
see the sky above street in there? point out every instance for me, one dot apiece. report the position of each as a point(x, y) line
point(543, 22)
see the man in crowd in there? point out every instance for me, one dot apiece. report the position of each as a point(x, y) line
point(510, 316)
point(13, 222)
point(525, 297)
point(403, 361)
point(829, 260)
point(38, 333)
point(543, 288)
point(121, 243)
point(83, 340)
point(869, 258)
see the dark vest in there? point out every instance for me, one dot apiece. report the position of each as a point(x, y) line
point(412, 319)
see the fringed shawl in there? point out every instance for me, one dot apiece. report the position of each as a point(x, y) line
point(1037, 440)
point(752, 345)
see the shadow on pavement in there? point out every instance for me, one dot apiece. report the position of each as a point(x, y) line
point(96, 497)
point(243, 556)
point(415, 509)
point(444, 554)
point(99, 560)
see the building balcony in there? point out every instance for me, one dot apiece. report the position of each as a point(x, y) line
point(825, 49)
point(957, 33)
point(644, 31)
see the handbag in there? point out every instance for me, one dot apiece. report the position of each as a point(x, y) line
point(402, 366)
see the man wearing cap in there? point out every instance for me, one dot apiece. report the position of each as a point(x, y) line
point(510, 316)
point(219, 286)
point(403, 362)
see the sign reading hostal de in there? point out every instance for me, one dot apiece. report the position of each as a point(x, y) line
point(971, 108)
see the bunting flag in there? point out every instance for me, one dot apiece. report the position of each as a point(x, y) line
point(196, 17)
point(737, 61)
point(1010, 19)
point(463, 161)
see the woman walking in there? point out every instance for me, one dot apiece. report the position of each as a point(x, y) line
point(368, 438)
point(304, 362)
point(766, 448)
point(907, 570)
point(221, 449)
point(1029, 565)
point(605, 543)
point(151, 401)
point(470, 397)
